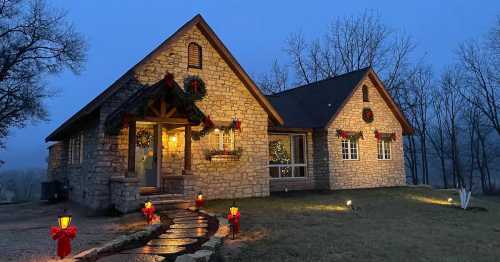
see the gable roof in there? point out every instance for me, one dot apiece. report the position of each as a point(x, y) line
point(316, 105)
point(202, 25)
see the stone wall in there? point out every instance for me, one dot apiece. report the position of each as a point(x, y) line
point(368, 171)
point(125, 194)
point(56, 163)
point(321, 159)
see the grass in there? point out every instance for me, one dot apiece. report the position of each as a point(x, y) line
point(396, 224)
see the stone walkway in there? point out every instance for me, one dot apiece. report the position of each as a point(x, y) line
point(188, 229)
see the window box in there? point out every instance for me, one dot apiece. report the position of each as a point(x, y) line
point(223, 155)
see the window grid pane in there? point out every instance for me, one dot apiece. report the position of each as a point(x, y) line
point(287, 155)
point(354, 148)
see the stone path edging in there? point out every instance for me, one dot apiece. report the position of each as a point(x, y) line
point(211, 248)
point(117, 244)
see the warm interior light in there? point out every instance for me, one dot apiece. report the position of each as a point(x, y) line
point(233, 210)
point(148, 204)
point(199, 196)
point(64, 220)
point(216, 130)
point(349, 203)
point(173, 138)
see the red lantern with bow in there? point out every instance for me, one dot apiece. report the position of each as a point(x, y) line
point(149, 211)
point(234, 219)
point(63, 234)
point(200, 200)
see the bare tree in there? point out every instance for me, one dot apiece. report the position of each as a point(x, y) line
point(275, 81)
point(480, 62)
point(35, 41)
point(437, 136)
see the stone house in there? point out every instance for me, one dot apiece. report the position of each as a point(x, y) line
point(188, 118)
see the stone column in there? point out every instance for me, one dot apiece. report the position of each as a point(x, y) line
point(131, 148)
point(187, 151)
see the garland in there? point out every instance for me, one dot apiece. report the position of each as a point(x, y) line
point(384, 136)
point(208, 125)
point(144, 138)
point(194, 87)
point(217, 152)
point(349, 134)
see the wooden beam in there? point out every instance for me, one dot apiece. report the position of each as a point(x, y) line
point(132, 138)
point(171, 112)
point(164, 120)
point(163, 108)
point(187, 149)
point(150, 106)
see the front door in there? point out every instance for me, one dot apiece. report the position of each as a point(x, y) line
point(146, 155)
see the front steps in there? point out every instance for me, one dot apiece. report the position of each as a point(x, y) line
point(168, 201)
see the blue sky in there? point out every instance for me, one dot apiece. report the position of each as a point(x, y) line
point(121, 32)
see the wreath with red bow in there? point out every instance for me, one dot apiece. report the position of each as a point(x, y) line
point(367, 115)
point(195, 87)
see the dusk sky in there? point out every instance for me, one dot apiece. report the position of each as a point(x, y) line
point(120, 33)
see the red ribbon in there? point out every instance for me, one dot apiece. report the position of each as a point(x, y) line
point(149, 213)
point(234, 221)
point(63, 237)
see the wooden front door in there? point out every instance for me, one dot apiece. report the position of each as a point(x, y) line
point(148, 156)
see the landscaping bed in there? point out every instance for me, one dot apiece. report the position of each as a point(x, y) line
point(390, 224)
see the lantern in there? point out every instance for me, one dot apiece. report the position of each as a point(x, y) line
point(200, 200)
point(149, 211)
point(63, 234)
point(234, 219)
point(64, 220)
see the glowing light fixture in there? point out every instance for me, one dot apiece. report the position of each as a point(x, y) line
point(450, 200)
point(64, 220)
point(200, 200)
point(349, 203)
point(234, 219)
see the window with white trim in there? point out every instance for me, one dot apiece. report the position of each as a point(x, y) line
point(222, 140)
point(287, 155)
point(384, 149)
point(350, 149)
point(75, 149)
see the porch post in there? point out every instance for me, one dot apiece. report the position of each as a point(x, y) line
point(187, 150)
point(131, 148)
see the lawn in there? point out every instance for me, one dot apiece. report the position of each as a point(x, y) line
point(396, 224)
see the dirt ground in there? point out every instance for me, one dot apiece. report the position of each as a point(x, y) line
point(25, 230)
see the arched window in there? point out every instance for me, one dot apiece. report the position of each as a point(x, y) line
point(194, 55)
point(365, 94)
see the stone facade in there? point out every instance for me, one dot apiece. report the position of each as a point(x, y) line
point(368, 171)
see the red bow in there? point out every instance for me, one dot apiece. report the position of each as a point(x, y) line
point(63, 237)
point(169, 80)
point(234, 221)
point(149, 213)
point(378, 136)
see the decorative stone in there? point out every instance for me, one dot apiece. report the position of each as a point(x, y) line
point(198, 256)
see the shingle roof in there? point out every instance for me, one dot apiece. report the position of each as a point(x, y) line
point(314, 104)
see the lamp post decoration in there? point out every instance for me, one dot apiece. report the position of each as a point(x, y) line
point(63, 234)
point(200, 200)
point(234, 219)
point(149, 211)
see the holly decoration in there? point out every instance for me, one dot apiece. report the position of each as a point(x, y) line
point(194, 88)
point(349, 134)
point(367, 115)
point(389, 136)
point(144, 138)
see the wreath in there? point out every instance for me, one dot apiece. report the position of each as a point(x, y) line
point(367, 115)
point(195, 87)
point(144, 138)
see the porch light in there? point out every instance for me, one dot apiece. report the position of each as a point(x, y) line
point(450, 200)
point(200, 200)
point(173, 138)
point(349, 203)
point(216, 130)
point(64, 220)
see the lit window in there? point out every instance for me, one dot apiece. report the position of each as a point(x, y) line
point(384, 149)
point(350, 149)
point(287, 156)
point(194, 55)
point(222, 140)
point(365, 94)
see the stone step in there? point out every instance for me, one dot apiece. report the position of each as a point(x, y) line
point(183, 235)
point(187, 230)
point(171, 204)
point(156, 250)
point(188, 226)
point(190, 220)
point(171, 242)
point(162, 197)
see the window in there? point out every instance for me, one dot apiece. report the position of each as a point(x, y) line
point(287, 156)
point(384, 149)
point(75, 149)
point(365, 94)
point(350, 149)
point(222, 140)
point(194, 55)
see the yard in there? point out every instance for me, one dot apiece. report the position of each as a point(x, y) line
point(397, 224)
point(25, 230)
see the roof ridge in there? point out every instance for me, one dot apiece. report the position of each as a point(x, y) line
point(319, 81)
